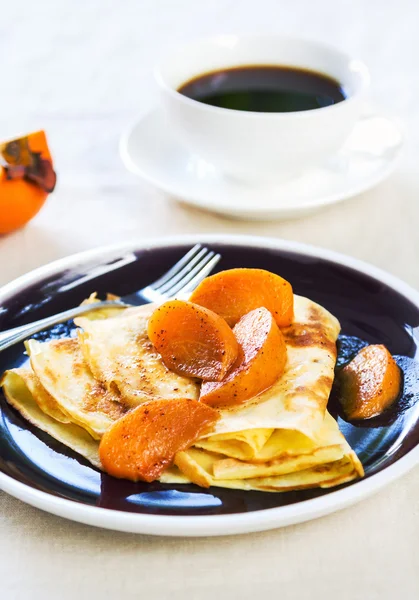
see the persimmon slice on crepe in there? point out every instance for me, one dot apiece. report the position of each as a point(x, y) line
point(260, 363)
point(144, 442)
point(234, 293)
point(193, 340)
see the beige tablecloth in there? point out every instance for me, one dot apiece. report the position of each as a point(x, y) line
point(82, 72)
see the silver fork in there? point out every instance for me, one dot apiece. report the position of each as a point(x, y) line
point(180, 280)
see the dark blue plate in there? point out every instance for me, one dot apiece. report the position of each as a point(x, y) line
point(370, 311)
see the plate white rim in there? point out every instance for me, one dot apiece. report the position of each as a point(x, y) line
point(212, 525)
point(256, 213)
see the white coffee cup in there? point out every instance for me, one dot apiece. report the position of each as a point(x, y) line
point(256, 146)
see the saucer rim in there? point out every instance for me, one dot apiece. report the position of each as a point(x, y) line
point(279, 211)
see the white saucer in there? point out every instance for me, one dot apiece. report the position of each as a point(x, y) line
point(150, 150)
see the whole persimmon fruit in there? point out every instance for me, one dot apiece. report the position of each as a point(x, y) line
point(20, 200)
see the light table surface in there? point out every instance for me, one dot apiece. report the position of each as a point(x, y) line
point(82, 71)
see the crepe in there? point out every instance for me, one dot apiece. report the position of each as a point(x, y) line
point(283, 439)
point(74, 437)
point(286, 429)
point(298, 400)
point(196, 469)
point(324, 463)
point(62, 371)
point(123, 359)
point(44, 400)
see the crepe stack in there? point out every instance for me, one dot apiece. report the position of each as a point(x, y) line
point(284, 439)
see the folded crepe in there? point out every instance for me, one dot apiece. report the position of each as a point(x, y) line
point(283, 439)
point(121, 356)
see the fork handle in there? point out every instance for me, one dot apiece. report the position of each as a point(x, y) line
point(18, 334)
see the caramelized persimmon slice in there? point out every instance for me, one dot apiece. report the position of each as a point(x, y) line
point(144, 442)
point(193, 340)
point(261, 361)
point(234, 293)
point(370, 383)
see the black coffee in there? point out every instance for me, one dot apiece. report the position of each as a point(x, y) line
point(263, 88)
